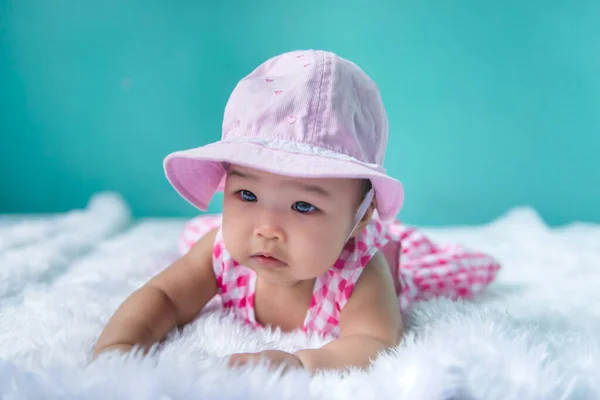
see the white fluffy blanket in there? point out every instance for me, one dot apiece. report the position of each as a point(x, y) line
point(533, 335)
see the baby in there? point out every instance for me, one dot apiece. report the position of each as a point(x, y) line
point(307, 239)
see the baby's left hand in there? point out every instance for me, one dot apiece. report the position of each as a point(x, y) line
point(274, 359)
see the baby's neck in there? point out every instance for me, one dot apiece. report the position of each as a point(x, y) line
point(287, 288)
point(284, 306)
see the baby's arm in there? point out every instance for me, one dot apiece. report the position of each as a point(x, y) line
point(369, 323)
point(171, 298)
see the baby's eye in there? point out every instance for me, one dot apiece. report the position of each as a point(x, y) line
point(247, 195)
point(303, 207)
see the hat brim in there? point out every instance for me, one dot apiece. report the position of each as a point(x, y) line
point(198, 173)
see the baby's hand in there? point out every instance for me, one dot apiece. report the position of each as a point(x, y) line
point(121, 348)
point(274, 359)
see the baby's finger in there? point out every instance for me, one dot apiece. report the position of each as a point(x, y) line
point(234, 360)
point(239, 359)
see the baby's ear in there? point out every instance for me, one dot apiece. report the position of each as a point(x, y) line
point(366, 218)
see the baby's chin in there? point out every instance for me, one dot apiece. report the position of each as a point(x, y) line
point(287, 276)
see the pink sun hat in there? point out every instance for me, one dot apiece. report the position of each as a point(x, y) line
point(308, 114)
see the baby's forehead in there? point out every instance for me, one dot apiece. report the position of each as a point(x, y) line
point(331, 185)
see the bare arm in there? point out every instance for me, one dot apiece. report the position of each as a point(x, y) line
point(369, 324)
point(171, 298)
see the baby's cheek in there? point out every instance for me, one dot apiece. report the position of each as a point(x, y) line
point(324, 253)
point(231, 238)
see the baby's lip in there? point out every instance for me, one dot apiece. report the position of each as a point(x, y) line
point(265, 254)
point(268, 255)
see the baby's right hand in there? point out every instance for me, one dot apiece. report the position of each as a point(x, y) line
point(123, 348)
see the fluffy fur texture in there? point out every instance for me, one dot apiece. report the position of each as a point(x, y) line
point(532, 335)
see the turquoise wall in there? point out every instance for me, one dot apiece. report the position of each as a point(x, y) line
point(491, 104)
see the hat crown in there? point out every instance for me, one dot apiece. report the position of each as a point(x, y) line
point(313, 98)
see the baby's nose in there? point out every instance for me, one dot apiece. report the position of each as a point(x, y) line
point(270, 227)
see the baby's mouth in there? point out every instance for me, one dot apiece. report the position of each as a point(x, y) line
point(267, 260)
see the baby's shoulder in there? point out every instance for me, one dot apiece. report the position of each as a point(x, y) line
point(376, 270)
point(203, 249)
point(375, 278)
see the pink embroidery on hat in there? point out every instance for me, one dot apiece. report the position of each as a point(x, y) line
point(268, 80)
point(277, 92)
point(306, 65)
point(291, 119)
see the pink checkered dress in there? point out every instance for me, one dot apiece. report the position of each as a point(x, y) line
point(426, 271)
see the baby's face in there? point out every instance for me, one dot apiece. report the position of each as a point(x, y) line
point(287, 229)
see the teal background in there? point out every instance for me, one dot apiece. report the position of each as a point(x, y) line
point(491, 104)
